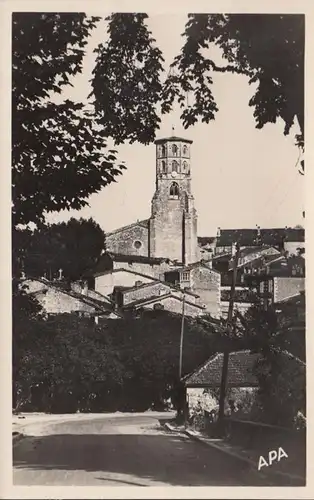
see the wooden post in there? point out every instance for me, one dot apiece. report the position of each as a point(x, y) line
point(181, 339)
point(224, 374)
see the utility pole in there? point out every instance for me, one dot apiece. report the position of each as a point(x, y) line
point(224, 374)
point(182, 335)
point(180, 387)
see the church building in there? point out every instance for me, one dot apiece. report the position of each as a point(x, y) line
point(171, 230)
point(163, 249)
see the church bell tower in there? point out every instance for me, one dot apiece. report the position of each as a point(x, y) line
point(173, 222)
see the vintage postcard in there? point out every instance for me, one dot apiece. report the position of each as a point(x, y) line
point(158, 161)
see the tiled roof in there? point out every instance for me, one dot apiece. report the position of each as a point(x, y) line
point(166, 283)
point(97, 304)
point(240, 371)
point(250, 249)
point(284, 267)
point(105, 262)
point(160, 298)
point(242, 236)
point(118, 257)
point(271, 236)
point(142, 223)
point(205, 240)
point(201, 263)
point(122, 269)
point(172, 138)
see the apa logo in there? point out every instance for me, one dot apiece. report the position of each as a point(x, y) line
point(272, 455)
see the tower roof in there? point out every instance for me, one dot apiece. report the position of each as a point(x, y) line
point(173, 138)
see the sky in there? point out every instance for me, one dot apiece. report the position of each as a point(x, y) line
point(241, 176)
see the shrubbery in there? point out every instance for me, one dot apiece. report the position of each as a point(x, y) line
point(66, 363)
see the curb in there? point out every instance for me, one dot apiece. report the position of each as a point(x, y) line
point(269, 475)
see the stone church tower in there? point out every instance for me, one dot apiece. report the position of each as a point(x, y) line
point(173, 222)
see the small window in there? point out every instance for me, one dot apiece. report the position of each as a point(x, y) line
point(174, 190)
point(163, 167)
point(174, 150)
point(163, 150)
point(185, 150)
point(137, 244)
point(185, 276)
point(175, 166)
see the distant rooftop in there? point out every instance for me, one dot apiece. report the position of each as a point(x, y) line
point(270, 236)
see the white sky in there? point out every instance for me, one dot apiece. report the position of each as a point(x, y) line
point(242, 176)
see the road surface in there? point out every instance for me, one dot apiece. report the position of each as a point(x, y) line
point(120, 450)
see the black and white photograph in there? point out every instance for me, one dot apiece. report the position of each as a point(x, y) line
point(158, 249)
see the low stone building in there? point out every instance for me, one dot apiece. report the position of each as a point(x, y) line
point(157, 295)
point(202, 280)
point(202, 385)
point(59, 298)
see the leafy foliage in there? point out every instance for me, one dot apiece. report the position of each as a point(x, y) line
point(281, 366)
point(126, 80)
point(58, 151)
point(128, 364)
point(72, 246)
point(66, 357)
point(269, 49)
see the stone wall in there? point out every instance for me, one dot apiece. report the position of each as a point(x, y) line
point(57, 302)
point(105, 283)
point(131, 240)
point(143, 292)
point(287, 287)
point(206, 283)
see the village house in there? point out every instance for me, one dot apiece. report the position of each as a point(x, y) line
point(58, 297)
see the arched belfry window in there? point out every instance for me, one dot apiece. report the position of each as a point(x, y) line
point(174, 190)
point(174, 150)
point(163, 150)
point(185, 150)
point(163, 167)
point(175, 166)
point(185, 166)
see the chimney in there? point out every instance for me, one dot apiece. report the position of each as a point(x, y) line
point(218, 232)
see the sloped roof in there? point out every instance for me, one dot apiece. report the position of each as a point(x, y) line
point(160, 298)
point(205, 240)
point(240, 371)
point(123, 269)
point(105, 263)
point(165, 283)
point(270, 236)
point(142, 223)
point(119, 257)
point(97, 304)
point(242, 236)
point(201, 263)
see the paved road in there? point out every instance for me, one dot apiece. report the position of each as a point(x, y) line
point(124, 450)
